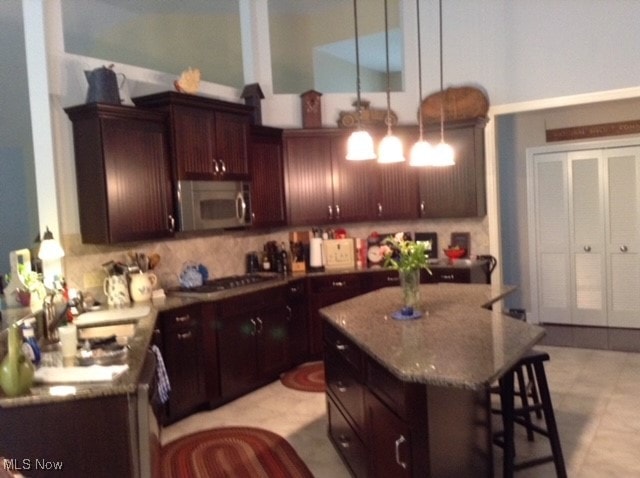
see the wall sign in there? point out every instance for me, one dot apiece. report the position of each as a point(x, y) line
point(593, 131)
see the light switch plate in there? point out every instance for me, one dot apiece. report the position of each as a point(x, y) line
point(339, 253)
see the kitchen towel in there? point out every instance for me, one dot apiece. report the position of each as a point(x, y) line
point(164, 387)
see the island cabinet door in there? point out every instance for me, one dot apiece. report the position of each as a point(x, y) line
point(237, 345)
point(390, 446)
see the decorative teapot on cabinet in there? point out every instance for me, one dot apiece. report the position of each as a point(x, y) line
point(103, 85)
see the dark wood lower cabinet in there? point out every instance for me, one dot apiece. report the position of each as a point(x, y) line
point(86, 437)
point(382, 426)
point(183, 351)
point(253, 340)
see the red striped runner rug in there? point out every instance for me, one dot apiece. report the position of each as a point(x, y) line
point(308, 377)
point(232, 452)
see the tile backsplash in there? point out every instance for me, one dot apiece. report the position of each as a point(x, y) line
point(224, 254)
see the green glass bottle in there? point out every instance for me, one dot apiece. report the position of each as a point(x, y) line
point(16, 370)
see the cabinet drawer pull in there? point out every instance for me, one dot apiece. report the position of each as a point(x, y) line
point(184, 336)
point(345, 441)
point(338, 283)
point(447, 276)
point(624, 248)
point(183, 318)
point(393, 279)
point(399, 442)
point(340, 346)
point(341, 386)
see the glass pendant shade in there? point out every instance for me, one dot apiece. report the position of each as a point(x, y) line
point(360, 146)
point(50, 249)
point(421, 154)
point(443, 155)
point(390, 150)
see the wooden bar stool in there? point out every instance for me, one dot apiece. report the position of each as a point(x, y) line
point(533, 365)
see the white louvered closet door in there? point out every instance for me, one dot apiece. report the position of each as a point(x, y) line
point(623, 252)
point(586, 206)
point(552, 238)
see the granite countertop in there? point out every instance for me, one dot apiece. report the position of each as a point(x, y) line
point(460, 342)
point(140, 342)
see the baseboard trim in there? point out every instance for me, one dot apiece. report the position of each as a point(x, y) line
point(602, 338)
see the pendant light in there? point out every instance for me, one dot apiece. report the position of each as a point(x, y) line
point(360, 143)
point(390, 148)
point(421, 152)
point(443, 153)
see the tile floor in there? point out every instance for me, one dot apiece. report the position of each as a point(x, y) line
point(594, 392)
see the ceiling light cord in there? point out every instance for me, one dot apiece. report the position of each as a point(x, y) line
point(358, 102)
point(441, 76)
point(420, 125)
point(386, 42)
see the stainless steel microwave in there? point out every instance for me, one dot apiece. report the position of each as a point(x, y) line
point(206, 205)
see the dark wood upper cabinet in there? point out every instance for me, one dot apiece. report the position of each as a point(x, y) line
point(123, 173)
point(460, 190)
point(321, 185)
point(209, 138)
point(266, 170)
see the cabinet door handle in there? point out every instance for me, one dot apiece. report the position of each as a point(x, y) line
point(289, 313)
point(338, 283)
point(341, 386)
point(172, 223)
point(183, 318)
point(345, 441)
point(624, 248)
point(337, 211)
point(587, 248)
point(340, 346)
point(260, 326)
point(216, 167)
point(223, 167)
point(185, 335)
point(399, 442)
point(330, 211)
point(447, 276)
point(421, 208)
point(393, 279)
point(379, 209)
point(255, 327)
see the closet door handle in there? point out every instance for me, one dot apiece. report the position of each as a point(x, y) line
point(587, 248)
point(624, 248)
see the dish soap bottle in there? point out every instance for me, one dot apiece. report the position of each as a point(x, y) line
point(16, 370)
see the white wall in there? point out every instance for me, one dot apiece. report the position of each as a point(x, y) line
point(516, 51)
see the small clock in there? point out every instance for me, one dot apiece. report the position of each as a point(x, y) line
point(374, 255)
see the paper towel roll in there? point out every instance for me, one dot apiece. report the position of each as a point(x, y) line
point(315, 252)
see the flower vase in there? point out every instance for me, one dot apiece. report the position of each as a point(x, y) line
point(410, 284)
point(16, 370)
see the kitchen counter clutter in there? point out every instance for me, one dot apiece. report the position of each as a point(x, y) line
point(411, 398)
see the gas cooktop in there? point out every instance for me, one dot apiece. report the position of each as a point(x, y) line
point(224, 283)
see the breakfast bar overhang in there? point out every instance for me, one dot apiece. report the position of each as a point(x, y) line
point(412, 397)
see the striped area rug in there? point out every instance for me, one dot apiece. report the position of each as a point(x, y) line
point(308, 377)
point(232, 452)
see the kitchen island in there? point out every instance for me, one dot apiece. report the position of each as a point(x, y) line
point(411, 397)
